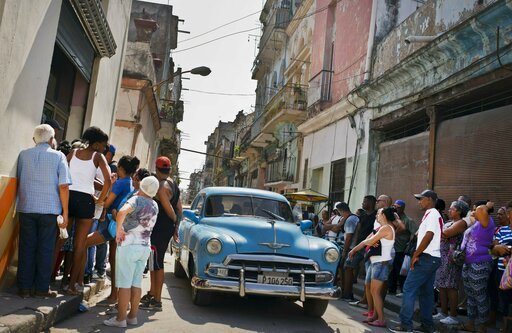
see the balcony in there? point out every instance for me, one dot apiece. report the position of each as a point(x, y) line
point(289, 104)
point(274, 35)
point(281, 171)
point(320, 87)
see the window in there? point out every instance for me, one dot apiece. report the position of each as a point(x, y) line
point(337, 190)
point(198, 203)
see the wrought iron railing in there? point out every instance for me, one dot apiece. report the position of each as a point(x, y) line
point(281, 170)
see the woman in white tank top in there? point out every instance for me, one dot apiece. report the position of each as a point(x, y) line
point(82, 165)
point(383, 237)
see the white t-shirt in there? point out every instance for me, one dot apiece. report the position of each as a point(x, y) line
point(432, 221)
point(331, 234)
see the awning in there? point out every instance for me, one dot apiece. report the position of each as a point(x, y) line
point(306, 195)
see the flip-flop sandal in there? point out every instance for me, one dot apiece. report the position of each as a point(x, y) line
point(377, 323)
point(369, 320)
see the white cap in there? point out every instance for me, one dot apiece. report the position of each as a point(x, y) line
point(150, 185)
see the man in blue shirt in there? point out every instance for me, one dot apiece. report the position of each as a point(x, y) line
point(43, 192)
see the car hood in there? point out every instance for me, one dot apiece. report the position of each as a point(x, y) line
point(256, 235)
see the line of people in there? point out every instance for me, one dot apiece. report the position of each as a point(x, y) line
point(98, 201)
point(462, 252)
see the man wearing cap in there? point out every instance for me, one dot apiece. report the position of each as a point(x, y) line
point(333, 228)
point(424, 264)
point(401, 241)
point(169, 215)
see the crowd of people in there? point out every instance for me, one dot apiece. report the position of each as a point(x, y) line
point(78, 187)
point(451, 262)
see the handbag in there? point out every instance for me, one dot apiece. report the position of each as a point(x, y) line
point(458, 257)
point(373, 251)
point(111, 225)
point(506, 278)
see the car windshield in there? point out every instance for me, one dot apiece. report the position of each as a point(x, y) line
point(230, 205)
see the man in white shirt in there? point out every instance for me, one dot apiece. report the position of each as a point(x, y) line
point(424, 264)
point(333, 228)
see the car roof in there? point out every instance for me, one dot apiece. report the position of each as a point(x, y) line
point(242, 191)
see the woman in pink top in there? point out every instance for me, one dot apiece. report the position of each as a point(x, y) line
point(82, 165)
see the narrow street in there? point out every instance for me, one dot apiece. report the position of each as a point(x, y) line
point(226, 314)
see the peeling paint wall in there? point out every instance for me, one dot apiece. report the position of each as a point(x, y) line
point(433, 18)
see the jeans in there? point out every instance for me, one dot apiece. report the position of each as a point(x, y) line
point(394, 275)
point(101, 251)
point(91, 251)
point(420, 282)
point(38, 233)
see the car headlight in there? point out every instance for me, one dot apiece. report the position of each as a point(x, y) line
point(331, 255)
point(214, 246)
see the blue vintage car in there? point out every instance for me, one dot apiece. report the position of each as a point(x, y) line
point(245, 241)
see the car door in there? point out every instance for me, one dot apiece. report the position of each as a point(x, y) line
point(185, 228)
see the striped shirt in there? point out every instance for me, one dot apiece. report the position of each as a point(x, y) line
point(504, 237)
point(41, 170)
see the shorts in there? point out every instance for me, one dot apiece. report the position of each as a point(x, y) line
point(356, 260)
point(130, 263)
point(81, 205)
point(378, 271)
point(159, 244)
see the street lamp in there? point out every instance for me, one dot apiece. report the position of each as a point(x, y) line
point(201, 70)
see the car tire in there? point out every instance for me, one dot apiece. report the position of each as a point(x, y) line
point(201, 297)
point(315, 307)
point(179, 272)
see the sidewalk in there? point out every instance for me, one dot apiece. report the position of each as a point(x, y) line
point(34, 315)
point(393, 303)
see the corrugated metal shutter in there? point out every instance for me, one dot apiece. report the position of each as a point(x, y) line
point(474, 157)
point(74, 42)
point(403, 170)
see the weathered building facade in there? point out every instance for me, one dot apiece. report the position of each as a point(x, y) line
point(60, 59)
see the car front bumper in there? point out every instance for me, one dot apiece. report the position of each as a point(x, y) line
point(242, 288)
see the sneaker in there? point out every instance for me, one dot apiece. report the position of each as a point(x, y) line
point(146, 298)
point(87, 279)
point(98, 276)
point(24, 293)
point(399, 295)
point(113, 322)
point(152, 305)
point(400, 329)
point(45, 294)
point(439, 316)
point(449, 321)
point(348, 299)
point(131, 321)
point(359, 304)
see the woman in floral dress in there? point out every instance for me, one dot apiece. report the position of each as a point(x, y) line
point(449, 274)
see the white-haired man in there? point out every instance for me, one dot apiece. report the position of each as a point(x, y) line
point(43, 192)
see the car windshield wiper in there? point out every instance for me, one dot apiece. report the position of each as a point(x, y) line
point(272, 214)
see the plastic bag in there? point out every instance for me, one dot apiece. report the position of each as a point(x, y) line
point(405, 266)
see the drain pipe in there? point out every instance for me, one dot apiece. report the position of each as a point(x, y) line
point(371, 38)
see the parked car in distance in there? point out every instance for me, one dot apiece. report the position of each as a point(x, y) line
point(245, 241)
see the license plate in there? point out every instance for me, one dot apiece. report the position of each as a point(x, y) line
point(275, 279)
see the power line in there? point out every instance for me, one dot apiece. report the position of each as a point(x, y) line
point(269, 27)
point(221, 26)
point(220, 93)
point(207, 154)
point(216, 39)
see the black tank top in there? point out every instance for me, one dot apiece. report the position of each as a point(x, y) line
point(164, 222)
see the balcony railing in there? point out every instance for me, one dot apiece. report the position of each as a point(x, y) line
point(281, 170)
point(279, 20)
point(320, 87)
point(292, 97)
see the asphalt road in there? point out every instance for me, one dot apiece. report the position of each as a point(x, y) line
point(228, 313)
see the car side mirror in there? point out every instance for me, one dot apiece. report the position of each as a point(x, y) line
point(306, 225)
point(191, 215)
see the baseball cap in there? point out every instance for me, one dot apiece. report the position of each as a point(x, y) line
point(54, 123)
point(112, 149)
point(149, 186)
point(400, 203)
point(336, 205)
point(163, 162)
point(426, 194)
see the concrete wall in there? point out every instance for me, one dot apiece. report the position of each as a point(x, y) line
point(107, 72)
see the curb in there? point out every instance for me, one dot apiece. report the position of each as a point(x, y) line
point(39, 318)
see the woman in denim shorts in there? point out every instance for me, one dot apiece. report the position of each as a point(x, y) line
point(378, 270)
